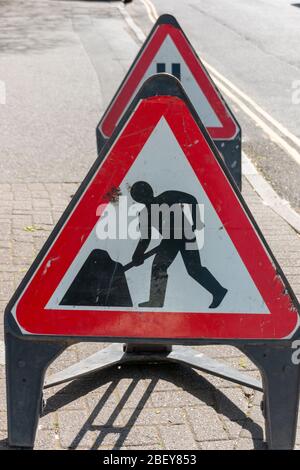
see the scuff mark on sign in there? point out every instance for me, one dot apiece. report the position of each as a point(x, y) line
point(114, 194)
point(49, 264)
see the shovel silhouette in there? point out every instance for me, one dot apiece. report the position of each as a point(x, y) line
point(101, 282)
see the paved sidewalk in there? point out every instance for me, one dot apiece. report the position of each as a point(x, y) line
point(130, 407)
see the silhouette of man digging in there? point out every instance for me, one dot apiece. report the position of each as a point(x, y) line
point(171, 245)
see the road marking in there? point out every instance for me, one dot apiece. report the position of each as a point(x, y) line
point(258, 108)
point(2, 92)
point(267, 129)
point(150, 10)
point(136, 29)
point(231, 91)
point(268, 195)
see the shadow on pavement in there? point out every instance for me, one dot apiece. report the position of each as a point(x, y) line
point(183, 377)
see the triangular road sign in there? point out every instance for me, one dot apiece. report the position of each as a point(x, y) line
point(167, 49)
point(226, 285)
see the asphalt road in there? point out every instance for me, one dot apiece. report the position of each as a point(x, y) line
point(255, 44)
point(61, 62)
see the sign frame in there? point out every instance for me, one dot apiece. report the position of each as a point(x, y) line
point(230, 148)
point(161, 84)
point(28, 356)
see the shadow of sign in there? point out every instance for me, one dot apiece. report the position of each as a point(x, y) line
point(116, 421)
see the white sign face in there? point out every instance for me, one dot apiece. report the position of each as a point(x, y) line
point(163, 165)
point(168, 59)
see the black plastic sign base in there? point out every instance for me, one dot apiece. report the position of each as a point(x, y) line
point(28, 360)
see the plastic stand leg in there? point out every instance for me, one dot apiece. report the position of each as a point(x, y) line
point(26, 363)
point(281, 381)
